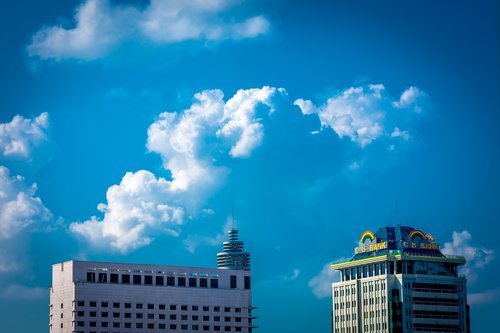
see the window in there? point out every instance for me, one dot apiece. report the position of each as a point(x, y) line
point(170, 281)
point(184, 327)
point(194, 318)
point(128, 305)
point(116, 325)
point(233, 282)
point(92, 324)
point(80, 303)
point(128, 325)
point(92, 304)
point(161, 306)
point(92, 314)
point(206, 318)
point(128, 315)
point(203, 283)
point(216, 318)
point(173, 307)
point(159, 280)
point(103, 277)
point(227, 319)
point(173, 326)
point(148, 279)
point(162, 326)
point(184, 307)
point(137, 279)
point(206, 328)
point(194, 308)
point(138, 306)
point(138, 315)
point(125, 278)
point(216, 308)
point(80, 323)
point(214, 283)
point(151, 316)
point(227, 309)
point(104, 304)
point(139, 325)
point(161, 316)
point(192, 282)
point(227, 328)
point(206, 308)
point(184, 317)
point(151, 306)
point(113, 278)
point(80, 313)
point(181, 281)
point(116, 314)
point(195, 327)
point(104, 314)
point(216, 328)
point(173, 317)
point(247, 282)
point(116, 305)
point(90, 277)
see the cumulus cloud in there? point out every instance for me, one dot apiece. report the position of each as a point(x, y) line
point(101, 26)
point(321, 284)
point(189, 142)
point(19, 207)
point(19, 137)
point(139, 207)
point(477, 256)
point(363, 113)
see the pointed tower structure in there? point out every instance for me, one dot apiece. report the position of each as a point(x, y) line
point(233, 256)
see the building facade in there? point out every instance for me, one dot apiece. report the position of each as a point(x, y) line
point(100, 297)
point(399, 281)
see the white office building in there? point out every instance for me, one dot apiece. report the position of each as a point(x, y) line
point(399, 282)
point(101, 297)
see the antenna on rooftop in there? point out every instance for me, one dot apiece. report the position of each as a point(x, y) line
point(232, 215)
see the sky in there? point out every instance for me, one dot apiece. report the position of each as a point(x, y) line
point(135, 131)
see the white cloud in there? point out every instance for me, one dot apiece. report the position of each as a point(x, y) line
point(362, 113)
point(321, 284)
point(101, 26)
point(295, 274)
point(412, 98)
point(19, 207)
point(477, 257)
point(140, 207)
point(21, 135)
point(397, 133)
point(354, 166)
point(19, 292)
point(143, 206)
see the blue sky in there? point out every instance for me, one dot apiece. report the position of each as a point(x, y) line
point(129, 130)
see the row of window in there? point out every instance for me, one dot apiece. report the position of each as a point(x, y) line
point(149, 306)
point(152, 326)
point(127, 315)
point(159, 280)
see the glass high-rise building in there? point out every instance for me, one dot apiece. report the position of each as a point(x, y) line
point(399, 281)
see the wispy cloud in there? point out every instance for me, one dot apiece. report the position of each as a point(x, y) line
point(292, 277)
point(485, 297)
point(477, 256)
point(192, 242)
point(20, 292)
point(100, 26)
point(19, 137)
point(364, 113)
point(321, 284)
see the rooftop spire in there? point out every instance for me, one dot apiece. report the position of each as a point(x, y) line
point(233, 255)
